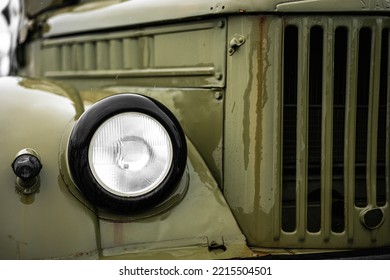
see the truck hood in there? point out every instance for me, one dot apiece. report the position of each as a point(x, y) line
point(119, 13)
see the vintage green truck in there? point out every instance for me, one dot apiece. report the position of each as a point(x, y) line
point(203, 129)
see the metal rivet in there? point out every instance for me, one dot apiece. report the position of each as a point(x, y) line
point(218, 95)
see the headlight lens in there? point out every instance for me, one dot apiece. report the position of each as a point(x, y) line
point(130, 154)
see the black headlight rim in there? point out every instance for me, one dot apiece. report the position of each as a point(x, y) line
point(83, 132)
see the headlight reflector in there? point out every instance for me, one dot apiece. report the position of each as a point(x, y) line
point(130, 154)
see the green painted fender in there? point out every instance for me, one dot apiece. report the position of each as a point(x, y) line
point(55, 223)
point(49, 223)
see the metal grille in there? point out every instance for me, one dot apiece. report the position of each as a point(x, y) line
point(335, 123)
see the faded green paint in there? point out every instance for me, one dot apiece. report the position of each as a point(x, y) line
point(253, 133)
point(42, 126)
point(182, 65)
point(117, 13)
point(34, 114)
point(230, 106)
point(194, 108)
point(187, 55)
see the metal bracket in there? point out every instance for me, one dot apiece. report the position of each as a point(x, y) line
point(236, 42)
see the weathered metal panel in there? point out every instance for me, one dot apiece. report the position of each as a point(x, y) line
point(49, 223)
point(116, 13)
point(189, 55)
point(254, 128)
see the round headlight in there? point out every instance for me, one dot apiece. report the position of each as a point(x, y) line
point(127, 153)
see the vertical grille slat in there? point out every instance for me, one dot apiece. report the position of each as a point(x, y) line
point(372, 141)
point(302, 129)
point(327, 124)
point(277, 224)
point(350, 129)
point(382, 151)
point(335, 123)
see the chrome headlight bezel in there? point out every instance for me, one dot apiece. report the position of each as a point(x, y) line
point(84, 175)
